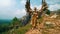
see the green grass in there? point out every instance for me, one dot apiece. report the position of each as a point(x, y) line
point(23, 30)
point(20, 30)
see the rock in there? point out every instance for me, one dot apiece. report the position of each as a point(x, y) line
point(54, 16)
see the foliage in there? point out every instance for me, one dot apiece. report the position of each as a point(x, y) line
point(23, 30)
point(48, 12)
point(16, 21)
point(4, 28)
point(20, 30)
point(9, 25)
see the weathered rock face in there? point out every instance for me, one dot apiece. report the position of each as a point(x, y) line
point(26, 19)
point(47, 26)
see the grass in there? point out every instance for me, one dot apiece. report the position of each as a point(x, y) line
point(23, 30)
point(20, 30)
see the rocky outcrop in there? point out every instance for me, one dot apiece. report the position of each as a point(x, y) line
point(47, 26)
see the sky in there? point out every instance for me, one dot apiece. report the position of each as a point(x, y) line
point(16, 8)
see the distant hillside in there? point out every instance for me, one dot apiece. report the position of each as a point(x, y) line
point(3, 21)
point(57, 11)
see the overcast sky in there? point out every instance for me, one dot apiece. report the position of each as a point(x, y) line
point(16, 8)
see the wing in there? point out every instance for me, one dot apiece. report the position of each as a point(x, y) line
point(27, 6)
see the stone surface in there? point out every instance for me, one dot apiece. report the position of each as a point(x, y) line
point(42, 29)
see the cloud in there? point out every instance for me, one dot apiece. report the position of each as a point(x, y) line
point(54, 7)
point(19, 13)
point(53, 1)
point(11, 14)
point(6, 3)
point(23, 2)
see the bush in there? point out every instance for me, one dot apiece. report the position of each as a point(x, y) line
point(48, 12)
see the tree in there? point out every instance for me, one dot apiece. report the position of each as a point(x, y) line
point(48, 12)
point(15, 21)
